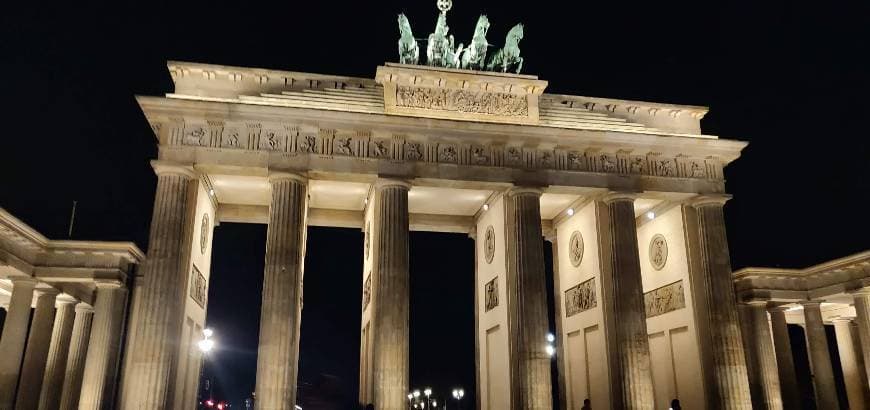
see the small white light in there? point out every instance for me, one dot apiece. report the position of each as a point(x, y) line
point(550, 350)
point(570, 211)
point(650, 215)
point(211, 192)
point(410, 396)
point(427, 392)
point(367, 201)
point(550, 337)
point(486, 207)
point(207, 332)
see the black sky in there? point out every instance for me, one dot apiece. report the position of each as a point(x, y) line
point(788, 77)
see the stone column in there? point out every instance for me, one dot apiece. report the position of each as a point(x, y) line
point(390, 295)
point(723, 363)
point(628, 356)
point(531, 386)
point(38, 341)
point(849, 354)
point(862, 320)
point(160, 311)
point(75, 363)
point(791, 397)
point(281, 310)
point(859, 359)
point(820, 357)
point(760, 358)
point(98, 389)
point(13, 338)
point(55, 366)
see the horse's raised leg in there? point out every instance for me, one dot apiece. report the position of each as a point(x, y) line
point(520, 65)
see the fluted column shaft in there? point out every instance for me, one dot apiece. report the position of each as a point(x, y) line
point(55, 365)
point(13, 338)
point(791, 397)
point(38, 341)
point(849, 354)
point(760, 357)
point(75, 363)
point(862, 320)
point(98, 389)
point(823, 372)
point(160, 312)
point(277, 359)
point(726, 383)
point(531, 386)
point(859, 361)
point(390, 295)
point(628, 354)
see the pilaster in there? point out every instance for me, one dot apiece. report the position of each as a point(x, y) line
point(13, 338)
point(791, 397)
point(817, 341)
point(38, 341)
point(55, 366)
point(760, 358)
point(150, 364)
point(75, 364)
point(559, 341)
point(278, 352)
point(628, 355)
point(726, 381)
point(98, 389)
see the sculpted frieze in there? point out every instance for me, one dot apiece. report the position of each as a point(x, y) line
point(665, 299)
point(580, 298)
point(302, 139)
point(465, 101)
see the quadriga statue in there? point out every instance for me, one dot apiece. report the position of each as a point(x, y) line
point(409, 52)
point(474, 56)
point(509, 56)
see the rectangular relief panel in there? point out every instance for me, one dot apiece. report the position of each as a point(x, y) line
point(596, 376)
point(497, 375)
point(580, 298)
point(665, 299)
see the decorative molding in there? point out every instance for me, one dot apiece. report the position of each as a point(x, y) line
point(204, 229)
point(367, 291)
point(580, 298)
point(665, 299)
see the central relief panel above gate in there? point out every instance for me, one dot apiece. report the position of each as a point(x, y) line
point(460, 94)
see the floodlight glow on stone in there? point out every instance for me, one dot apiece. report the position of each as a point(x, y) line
point(550, 350)
point(650, 215)
point(207, 332)
point(486, 207)
point(570, 211)
point(205, 345)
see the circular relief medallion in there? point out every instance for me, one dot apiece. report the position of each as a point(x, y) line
point(575, 248)
point(658, 251)
point(203, 233)
point(489, 244)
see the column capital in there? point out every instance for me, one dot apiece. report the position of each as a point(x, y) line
point(708, 200)
point(108, 283)
point(23, 281)
point(382, 183)
point(173, 168)
point(47, 292)
point(64, 299)
point(845, 319)
point(523, 190)
point(275, 176)
point(778, 308)
point(865, 291)
point(618, 196)
point(84, 307)
point(756, 302)
point(810, 303)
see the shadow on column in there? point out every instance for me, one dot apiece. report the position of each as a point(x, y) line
point(802, 366)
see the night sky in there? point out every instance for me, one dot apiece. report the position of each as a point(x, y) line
point(791, 79)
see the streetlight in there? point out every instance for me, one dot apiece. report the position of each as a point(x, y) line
point(410, 397)
point(458, 394)
point(428, 392)
point(206, 344)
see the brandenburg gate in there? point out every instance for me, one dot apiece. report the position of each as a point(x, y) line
point(629, 193)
